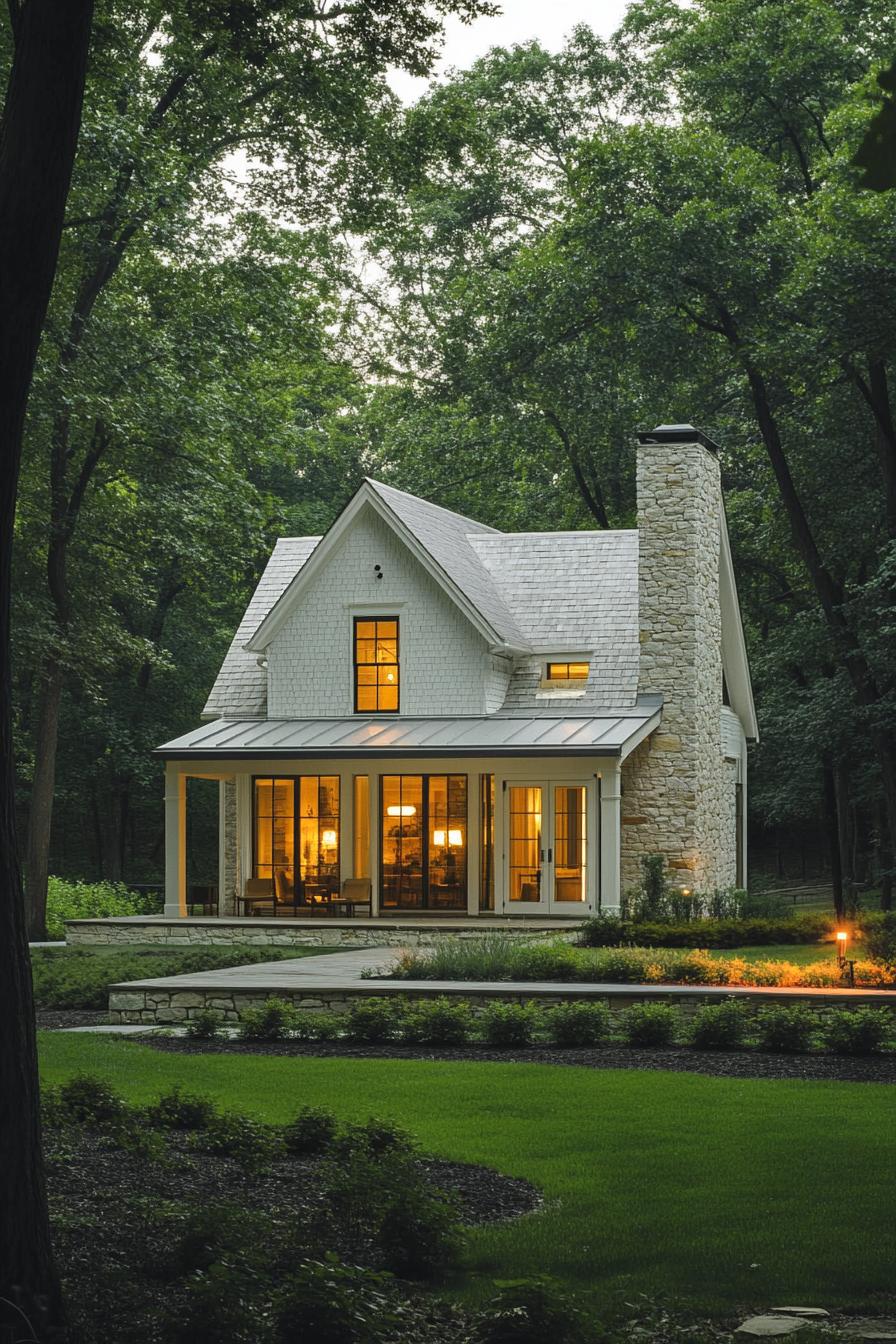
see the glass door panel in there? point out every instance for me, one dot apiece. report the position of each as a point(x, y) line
point(569, 847)
point(526, 854)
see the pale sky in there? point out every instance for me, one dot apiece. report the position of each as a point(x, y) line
point(521, 20)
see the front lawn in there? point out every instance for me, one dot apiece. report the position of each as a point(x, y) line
point(721, 1191)
point(798, 954)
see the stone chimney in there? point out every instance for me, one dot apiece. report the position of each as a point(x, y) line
point(673, 793)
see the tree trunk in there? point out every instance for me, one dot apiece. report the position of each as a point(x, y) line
point(833, 831)
point(39, 134)
point(40, 813)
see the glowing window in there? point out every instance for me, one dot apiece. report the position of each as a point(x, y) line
point(567, 672)
point(376, 665)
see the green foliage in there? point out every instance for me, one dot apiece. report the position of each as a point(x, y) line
point(373, 1021)
point(213, 1233)
point(646, 1024)
point(439, 1021)
point(858, 1031)
point(177, 1109)
point(879, 938)
point(373, 1137)
point(312, 1131)
point(247, 1141)
point(721, 1026)
point(80, 977)
point(379, 1190)
point(330, 1302)
point(310, 1026)
point(786, 1030)
point(609, 931)
point(272, 1020)
point(508, 1026)
point(572, 1024)
point(532, 1311)
point(92, 900)
point(87, 1098)
point(206, 1025)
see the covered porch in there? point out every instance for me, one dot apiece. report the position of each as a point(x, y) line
point(397, 818)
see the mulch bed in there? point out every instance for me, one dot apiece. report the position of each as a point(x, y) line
point(118, 1215)
point(56, 1019)
point(677, 1059)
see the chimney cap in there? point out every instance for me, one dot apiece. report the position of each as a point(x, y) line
point(678, 434)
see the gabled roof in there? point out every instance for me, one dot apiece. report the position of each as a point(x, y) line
point(438, 538)
point(241, 686)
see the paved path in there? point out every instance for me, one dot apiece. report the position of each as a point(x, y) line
point(293, 973)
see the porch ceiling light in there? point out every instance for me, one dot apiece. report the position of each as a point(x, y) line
point(406, 810)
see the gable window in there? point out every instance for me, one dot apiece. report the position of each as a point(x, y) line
point(376, 665)
point(567, 672)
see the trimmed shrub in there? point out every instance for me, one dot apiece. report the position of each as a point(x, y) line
point(720, 1026)
point(181, 1110)
point(532, 1311)
point(544, 961)
point(572, 1024)
point(312, 1131)
point(508, 1025)
point(439, 1021)
point(647, 1024)
point(858, 1031)
point(205, 1026)
point(383, 1195)
point(373, 1021)
point(274, 1020)
point(787, 1031)
point(247, 1141)
point(328, 1302)
point(316, 1026)
point(374, 1137)
point(87, 1098)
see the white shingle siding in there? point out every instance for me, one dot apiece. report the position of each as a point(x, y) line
point(445, 665)
point(240, 690)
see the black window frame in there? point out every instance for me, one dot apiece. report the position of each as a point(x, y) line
point(356, 621)
point(296, 781)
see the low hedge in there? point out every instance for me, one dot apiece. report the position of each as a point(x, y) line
point(610, 931)
point(727, 1025)
point(80, 977)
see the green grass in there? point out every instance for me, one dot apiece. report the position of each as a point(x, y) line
point(801, 954)
point(720, 1191)
point(79, 977)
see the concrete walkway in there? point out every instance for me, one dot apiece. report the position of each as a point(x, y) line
point(295, 973)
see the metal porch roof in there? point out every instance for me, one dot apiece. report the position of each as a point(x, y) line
point(493, 735)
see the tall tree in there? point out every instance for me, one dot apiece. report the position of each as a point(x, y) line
point(41, 119)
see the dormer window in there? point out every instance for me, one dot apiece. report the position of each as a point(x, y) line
point(376, 665)
point(564, 672)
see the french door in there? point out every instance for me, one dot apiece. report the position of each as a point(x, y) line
point(548, 847)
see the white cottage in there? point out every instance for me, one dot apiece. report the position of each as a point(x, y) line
point(436, 717)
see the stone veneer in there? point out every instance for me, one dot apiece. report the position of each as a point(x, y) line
point(259, 932)
point(158, 1006)
point(229, 881)
point(675, 786)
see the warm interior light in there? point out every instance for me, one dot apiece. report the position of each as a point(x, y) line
point(438, 837)
point(455, 837)
point(328, 839)
point(407, 810)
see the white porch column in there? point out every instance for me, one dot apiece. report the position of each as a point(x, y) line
point(610, 837)
point(375, 842)
point(175, 843)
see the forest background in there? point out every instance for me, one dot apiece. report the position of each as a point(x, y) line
point(276, 279)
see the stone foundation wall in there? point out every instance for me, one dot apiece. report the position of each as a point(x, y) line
point(280, 933)
point(173, 1007)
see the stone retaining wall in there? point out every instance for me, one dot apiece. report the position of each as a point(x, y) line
point(156, 1006)
point(285, 933)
